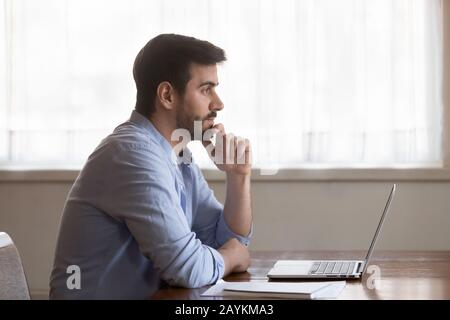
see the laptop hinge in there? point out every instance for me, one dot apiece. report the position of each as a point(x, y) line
point(361, 267)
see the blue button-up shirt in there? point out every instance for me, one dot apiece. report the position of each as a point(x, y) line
point(135, 219)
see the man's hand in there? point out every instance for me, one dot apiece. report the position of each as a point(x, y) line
point(235, 255)
point(230, 153)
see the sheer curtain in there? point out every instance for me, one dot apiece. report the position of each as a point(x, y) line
point(332, 83)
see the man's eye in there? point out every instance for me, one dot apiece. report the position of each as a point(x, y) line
point(206, 90)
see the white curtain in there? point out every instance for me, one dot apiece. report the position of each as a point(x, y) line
point(333, 83)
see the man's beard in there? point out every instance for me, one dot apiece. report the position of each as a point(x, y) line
point(186, 121)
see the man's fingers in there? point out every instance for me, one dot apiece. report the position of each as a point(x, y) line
point(220, 128)
point(230, 148)
point(227, 148)
point(248, 152)
point(240, 150)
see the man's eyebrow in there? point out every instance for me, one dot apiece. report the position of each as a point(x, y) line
point(213, 84)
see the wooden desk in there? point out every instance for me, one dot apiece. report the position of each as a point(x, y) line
point(404, 274)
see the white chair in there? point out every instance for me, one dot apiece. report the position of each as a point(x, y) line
point(13, 283)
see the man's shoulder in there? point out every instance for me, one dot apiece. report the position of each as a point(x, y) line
point(129, 136)
point(129, 144)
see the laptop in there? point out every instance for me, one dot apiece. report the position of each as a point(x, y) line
point(320, 269)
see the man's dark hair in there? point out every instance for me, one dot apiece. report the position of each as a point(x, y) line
point(168, 57)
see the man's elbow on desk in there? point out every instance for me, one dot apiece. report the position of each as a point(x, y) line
point(235, 255)
point(203, 267)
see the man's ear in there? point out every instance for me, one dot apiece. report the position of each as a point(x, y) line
point(166, 95)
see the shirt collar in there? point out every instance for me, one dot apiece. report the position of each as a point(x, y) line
point(146, 124)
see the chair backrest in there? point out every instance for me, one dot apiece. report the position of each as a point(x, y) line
point(13, 283)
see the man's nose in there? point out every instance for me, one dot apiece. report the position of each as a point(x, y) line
point(217, 104)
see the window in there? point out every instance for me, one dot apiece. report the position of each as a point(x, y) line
point(347, 83)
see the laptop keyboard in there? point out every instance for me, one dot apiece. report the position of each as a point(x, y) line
point(332, 267)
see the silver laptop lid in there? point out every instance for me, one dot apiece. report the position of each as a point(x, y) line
point(380, 225)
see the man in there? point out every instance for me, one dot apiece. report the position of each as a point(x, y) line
point(135, 220)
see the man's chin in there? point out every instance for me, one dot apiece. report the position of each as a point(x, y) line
point(207, 124)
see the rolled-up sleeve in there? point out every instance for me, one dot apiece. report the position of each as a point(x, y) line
point(209, 221)
point(144, 197)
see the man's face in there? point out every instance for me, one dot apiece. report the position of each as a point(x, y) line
point(200, 101)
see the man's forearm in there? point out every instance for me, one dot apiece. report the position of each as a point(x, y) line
point(237, 209)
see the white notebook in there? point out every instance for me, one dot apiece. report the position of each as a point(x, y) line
point(283, 290)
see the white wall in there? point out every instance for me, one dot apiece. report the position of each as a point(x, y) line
point(287, 216)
